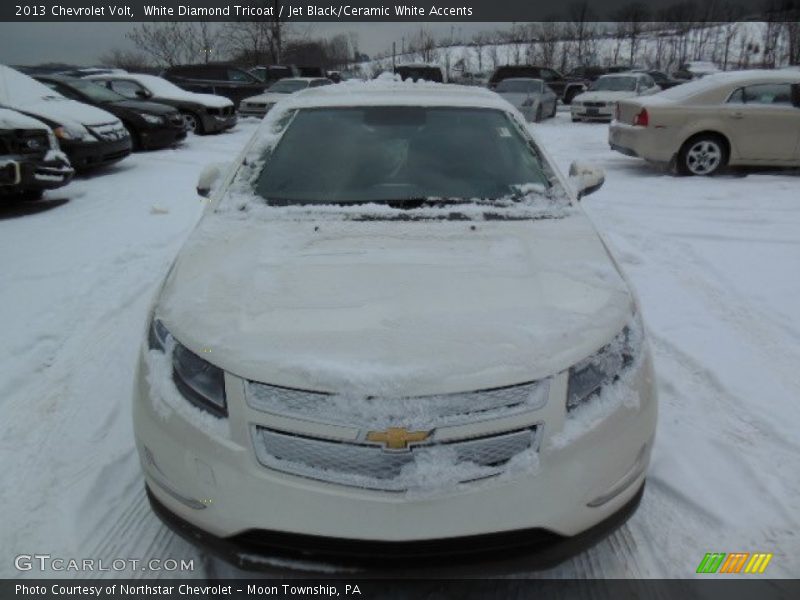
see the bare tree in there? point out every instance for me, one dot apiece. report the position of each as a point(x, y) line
point(631, 20)
point(581, 29)
point(129, 60)
point(478, 43)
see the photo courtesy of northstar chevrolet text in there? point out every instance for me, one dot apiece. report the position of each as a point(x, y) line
point(396, 297)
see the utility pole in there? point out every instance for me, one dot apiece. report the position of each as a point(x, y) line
point(394, 52)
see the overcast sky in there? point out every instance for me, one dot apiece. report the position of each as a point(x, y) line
point(85, 43)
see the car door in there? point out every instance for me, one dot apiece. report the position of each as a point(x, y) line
point(762, 123)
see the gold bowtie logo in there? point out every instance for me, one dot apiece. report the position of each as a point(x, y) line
point(397, 438)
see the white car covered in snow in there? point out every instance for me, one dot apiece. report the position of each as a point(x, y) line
point(599, 102)
point(258, 106)
point(394, 333)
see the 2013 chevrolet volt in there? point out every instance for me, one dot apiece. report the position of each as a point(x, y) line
point(394, 334)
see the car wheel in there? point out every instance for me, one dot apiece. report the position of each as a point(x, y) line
point(705, 154)
point(136, 142)
point(538, 114)
point(575, 119)
point(553, 112)
point(193, 122)
point(31, 195)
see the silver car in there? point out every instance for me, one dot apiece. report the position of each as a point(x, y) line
point(532, 97)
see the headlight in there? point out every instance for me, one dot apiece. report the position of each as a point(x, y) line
point(588, 377)
point(200, 382)
point(152, 119)
point(69, 133)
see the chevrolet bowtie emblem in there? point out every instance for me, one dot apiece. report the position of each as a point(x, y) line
point(397, 438)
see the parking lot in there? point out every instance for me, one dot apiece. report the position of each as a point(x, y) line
point(714, 260)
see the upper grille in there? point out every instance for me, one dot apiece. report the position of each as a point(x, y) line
point(369, 466)
point(422, 412)
point(595, 104)
point(109, 131)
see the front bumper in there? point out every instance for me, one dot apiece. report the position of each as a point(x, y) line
point(88, 155)
point(33, 173)
point(161, 137)
point(214, 482)
point(585, 113)
point(218, 123)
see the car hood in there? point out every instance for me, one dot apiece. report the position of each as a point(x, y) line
point(383, 307)
point(207, 100)
point(67, 112)
point(604, 96)
point(267, 98)
point(11, 119)
point(517, 98)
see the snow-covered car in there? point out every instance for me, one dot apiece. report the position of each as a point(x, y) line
point(89, 136)
point(734, 118)
point(599, 102)
point(531, 97)
point(30, 159)
point(203, 113)
point(258, 106)
point(695, 69)
point(394, 332)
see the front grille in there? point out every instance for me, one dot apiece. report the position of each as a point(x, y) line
point(595, 104)
point(24, 142)
point(421, 412)
point(109, 132)
point(370, 466)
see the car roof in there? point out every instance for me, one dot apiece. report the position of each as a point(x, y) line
point(523, 79)
point(378, 92)
point(302, 79)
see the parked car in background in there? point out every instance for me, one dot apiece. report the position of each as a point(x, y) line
point(272, 73)
point(30, 159)
point(221, 80)
point(421, 72)
point(700, 127)
point(695, 69)
point(531, 97)
point(203, 113)
point(565, 87)
point(89, 136)
point(258, 106)
point(151, 125)
point(312, 72)
point(415, 345)
point(662, 80)
point(599, 102)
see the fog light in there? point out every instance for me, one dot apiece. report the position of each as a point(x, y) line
point(638, 467)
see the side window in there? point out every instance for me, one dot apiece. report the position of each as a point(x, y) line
point(648, 81)
point(548, 75)
point(125, 88)
point(240, 76)
point(769, 93)
point(737, 97)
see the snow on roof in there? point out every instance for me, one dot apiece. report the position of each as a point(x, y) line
point(381, 92)
point(725, 80)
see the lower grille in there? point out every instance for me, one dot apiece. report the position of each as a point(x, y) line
point(370, 466)
point(595, 104)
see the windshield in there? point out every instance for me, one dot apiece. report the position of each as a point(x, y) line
point(395, 154)
point(614, 84)
point(287, 86)
point(158, 86)
point(519, 86)
point(95, 92)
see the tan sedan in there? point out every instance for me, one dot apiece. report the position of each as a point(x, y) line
point(735, 118)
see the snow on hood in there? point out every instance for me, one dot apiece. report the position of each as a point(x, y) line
point(24, 93)
point(267, 97)
point(602, 96)
point(394, 308)
point(11, 119)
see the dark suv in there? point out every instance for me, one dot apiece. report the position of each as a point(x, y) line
point(222, 80)
point(565, 87)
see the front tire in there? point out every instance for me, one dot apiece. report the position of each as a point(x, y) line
point(703, 155)
point(193, 122)
point(538, 116)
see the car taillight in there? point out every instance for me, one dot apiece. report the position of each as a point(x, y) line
point(642, 119)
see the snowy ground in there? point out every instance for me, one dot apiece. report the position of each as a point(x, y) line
point(715, 262)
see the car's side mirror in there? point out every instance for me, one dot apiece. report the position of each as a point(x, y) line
point(796, 94)
point(586, 178)
point(209, 179)
point(143, 94)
